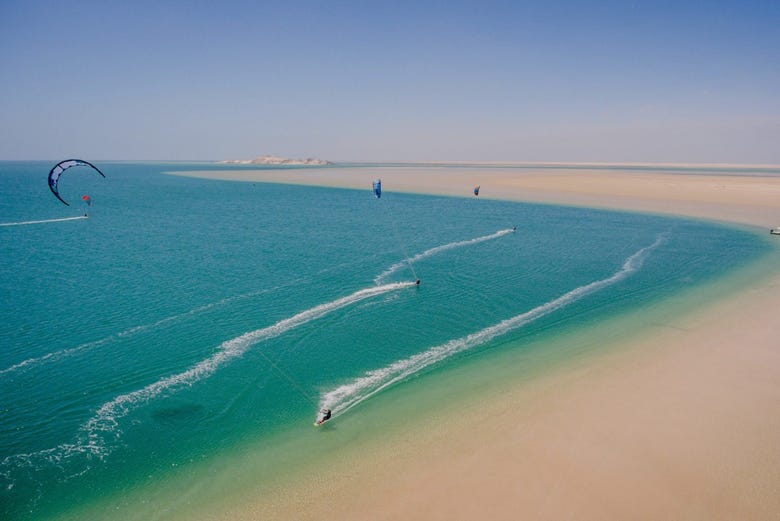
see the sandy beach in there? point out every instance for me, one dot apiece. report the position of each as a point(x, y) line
point(677, 423)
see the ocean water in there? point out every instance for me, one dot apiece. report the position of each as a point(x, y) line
point(187, 318)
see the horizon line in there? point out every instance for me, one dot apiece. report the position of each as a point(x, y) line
point(339, 162)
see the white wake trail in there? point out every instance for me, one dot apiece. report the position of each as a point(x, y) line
point(80, 349)
point(91, 439)
point(24, 223)
point(346, 396)
point(107, 416)
point(382, 277)
point(57, 355)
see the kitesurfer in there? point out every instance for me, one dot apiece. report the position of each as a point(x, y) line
point(324, 416)
point(417, 282)
point(60, 168)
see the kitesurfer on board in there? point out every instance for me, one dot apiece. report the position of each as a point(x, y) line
point(323, 416)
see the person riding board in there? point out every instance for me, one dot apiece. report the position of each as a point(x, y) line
point(323, 416)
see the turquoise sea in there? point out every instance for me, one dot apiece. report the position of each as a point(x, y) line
point(186, 319)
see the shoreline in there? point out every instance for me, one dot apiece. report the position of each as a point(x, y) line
point(677, 422)
point(743, 199)
point(623, 166)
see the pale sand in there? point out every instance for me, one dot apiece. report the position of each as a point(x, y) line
point(683, 423)
point(746, 199)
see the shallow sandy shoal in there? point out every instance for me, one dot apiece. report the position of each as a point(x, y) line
point(680, 424)
point(743, 198)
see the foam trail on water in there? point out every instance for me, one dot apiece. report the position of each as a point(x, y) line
point(23, 223)
point(343, 398)
point(90, 441)
point(382, 277)
point(57, 355)
point(105, 419)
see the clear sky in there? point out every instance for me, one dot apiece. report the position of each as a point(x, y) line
point(666, 81)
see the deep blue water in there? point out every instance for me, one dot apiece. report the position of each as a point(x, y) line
point(186, 316)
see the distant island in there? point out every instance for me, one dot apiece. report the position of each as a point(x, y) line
point(273, 160)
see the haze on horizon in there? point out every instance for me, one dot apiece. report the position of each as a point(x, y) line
point(644, 81)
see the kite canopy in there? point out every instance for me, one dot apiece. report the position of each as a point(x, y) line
point(378, 188)
point(59, 169)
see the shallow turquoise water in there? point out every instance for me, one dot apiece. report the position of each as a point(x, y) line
point(187, 317)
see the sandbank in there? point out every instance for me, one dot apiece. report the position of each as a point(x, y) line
point(679, 422)
point(741, 196)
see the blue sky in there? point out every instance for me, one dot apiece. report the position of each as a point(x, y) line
point(391, 81)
